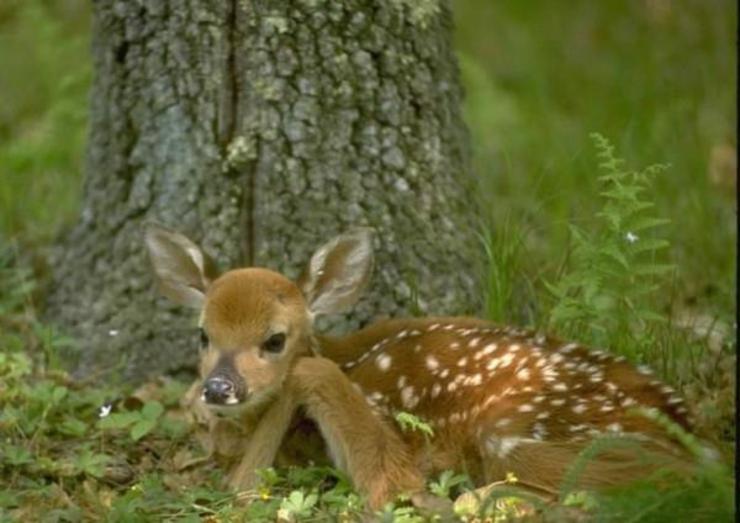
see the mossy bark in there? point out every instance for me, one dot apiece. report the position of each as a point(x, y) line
point(260, 129)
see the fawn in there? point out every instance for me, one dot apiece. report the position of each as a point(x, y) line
point(499, 399)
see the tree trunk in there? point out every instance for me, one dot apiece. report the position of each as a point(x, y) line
point(260, 129)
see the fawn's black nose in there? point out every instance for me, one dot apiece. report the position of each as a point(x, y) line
point(219, 391)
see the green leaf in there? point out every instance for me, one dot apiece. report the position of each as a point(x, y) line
point(141, 428)
point(174, 428)
point(655, 269)
point(119, 420)
point(408, 421)
point(268, 477)
point(613, 252)
point(581, 499)
point(15, 455)
point(447, 480)
point(648, 244)
point(91, 463)
point(152, 410)
point(298, 504)
point(72, 427)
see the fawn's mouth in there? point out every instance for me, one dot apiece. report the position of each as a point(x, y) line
point(227, 401)
point(228, 408)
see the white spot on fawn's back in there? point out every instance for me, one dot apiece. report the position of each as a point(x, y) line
point(383, 362)
point(488, 349)
point(506, 360)
point(408, 398)
point(432, 362)
point(501, 446)
point(556, 357)
point(436, 389)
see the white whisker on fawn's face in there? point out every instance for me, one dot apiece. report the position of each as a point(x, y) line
point(499, 399)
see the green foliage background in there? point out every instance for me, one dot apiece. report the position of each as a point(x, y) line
point(657, 78)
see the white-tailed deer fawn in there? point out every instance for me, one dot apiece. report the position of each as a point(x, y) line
point(499, 399)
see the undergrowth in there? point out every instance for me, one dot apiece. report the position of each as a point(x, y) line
point(606, 292)
point(72, 451)
point(43, 119)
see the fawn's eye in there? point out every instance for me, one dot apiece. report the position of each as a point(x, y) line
point(203, 338)
point(274, 343)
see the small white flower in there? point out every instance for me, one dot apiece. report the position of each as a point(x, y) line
point(104, 410)
point(113, 332)
point(631, 237)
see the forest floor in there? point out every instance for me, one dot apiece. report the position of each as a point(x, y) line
point(73, 451)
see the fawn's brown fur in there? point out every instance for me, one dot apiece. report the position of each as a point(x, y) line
point(499, 399)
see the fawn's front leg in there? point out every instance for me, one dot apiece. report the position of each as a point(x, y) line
point(264, 442)
point(360, 443)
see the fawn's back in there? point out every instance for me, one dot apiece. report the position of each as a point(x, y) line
point(487, 389)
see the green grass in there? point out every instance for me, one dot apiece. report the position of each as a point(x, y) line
point(44, 54)
point(657, 80)
point(541, 77)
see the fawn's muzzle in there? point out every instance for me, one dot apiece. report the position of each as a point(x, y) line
point(220, 390)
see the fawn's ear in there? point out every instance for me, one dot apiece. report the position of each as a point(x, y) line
point(338, 272)
point(182, 269)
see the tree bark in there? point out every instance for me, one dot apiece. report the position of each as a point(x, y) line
point(260, 129)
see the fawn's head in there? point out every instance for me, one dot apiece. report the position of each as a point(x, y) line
point(254, 322)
